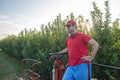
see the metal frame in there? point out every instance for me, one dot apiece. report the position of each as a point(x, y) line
point(30, 73)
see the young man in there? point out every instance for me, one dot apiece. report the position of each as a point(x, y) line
point(77, 48)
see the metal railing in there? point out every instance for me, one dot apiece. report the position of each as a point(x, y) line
point(107, 66)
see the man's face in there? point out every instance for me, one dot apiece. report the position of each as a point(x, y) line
point(71, 28)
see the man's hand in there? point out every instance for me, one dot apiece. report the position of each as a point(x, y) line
point(53, 56)
point(86, 58)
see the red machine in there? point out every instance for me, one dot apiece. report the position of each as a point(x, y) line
point(58, 67)
point(30, 74)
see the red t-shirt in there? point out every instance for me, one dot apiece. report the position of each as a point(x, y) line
point(77, 47)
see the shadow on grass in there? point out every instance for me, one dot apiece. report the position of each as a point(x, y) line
point(10, 68)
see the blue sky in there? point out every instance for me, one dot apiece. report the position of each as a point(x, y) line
point(16, 15)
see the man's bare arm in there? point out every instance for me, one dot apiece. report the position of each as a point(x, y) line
point(95, 47)
point(63, 51)
point(94, 50)
point(53, 55)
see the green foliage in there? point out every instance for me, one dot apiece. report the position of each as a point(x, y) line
point(51, 38)
point(107, 37)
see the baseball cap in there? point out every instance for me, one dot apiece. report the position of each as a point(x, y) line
point(70, 22)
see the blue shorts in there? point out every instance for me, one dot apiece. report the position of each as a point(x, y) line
point(78, 72)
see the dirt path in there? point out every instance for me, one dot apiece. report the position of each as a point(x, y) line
point(10, 69)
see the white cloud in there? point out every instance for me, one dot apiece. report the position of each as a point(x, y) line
point(3, 17)
point(12, 24)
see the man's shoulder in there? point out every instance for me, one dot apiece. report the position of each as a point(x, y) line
point(81, 33)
